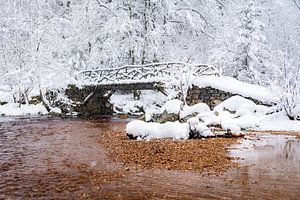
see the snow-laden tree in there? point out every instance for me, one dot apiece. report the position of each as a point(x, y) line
point(144, 31)
point(33, 47)
point(43, 44)
point(245, 52)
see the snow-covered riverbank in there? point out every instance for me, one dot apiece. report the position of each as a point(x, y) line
point(231, 116)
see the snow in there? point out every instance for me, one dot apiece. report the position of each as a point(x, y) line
point(197, 108)
point(175, 130)
point(248, 121)
point(13, 109)
point(149, 101)
point(56, 110)
point(233, 103)
point(152, 130)
point(234, 86)
point(244, 115)
point(172, 106)
point(228, 124)
point(198, 128)
point(261, 110)
point(208, 118)
point(278, 122)
point(246, 108)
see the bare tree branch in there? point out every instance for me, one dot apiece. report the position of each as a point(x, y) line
point(196, 11)
point(103, 6)
point(297, 4)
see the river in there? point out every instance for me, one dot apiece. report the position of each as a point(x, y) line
point(54, 158)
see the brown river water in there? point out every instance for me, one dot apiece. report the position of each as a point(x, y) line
point(53, 158)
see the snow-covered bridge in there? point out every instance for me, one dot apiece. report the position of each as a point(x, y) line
point(100, 84)
point(156, 72)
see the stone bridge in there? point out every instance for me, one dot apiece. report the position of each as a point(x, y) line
point(100, 84)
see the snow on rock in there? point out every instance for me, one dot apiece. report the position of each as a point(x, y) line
point(278, 122)
point(233, 103)
point(224, 115)
point(197, 108)
point(56, 110)
point(248, 121)
point(192, 122)
point(234, 86)
point(261, 110)
point(148, 117)
point(296, 111)
point(13, 109)
point(246, 108)
point(208, 118)
point(138, 128)
point(175, 130)
point(172, 106)
point(228, 124)
point(204, 131)
point(151, 130)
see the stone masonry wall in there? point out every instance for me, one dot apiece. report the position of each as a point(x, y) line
point(210, 96)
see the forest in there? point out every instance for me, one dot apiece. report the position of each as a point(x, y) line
point(43, 44)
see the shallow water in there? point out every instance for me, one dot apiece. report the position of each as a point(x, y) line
point(60, 159)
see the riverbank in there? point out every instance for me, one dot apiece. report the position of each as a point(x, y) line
point(194, 155)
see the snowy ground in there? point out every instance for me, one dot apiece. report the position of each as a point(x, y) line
point(233, 116)
point(13, 109)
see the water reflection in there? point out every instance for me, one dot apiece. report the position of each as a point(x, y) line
point(272, 151)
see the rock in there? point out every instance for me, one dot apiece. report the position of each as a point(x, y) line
point(55, 114)
point(167, 117)
point(123, 116)
point(3, 103)
point(186, 118)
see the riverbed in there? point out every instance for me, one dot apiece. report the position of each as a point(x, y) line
point(54, 158)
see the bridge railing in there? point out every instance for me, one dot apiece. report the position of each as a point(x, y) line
point(148, 72)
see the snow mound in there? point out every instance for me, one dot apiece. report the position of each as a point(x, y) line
point(278, 122)
point(208, 118)
point(230, 126)
point(197, 108)
point(234, 86)
point(175, 130)
point(261, 110)
point(172, 106)
point(198, 129)
point(233, 103)
point(248, 121)
point(246, 108)
point(152, 130)
point(13, 109)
